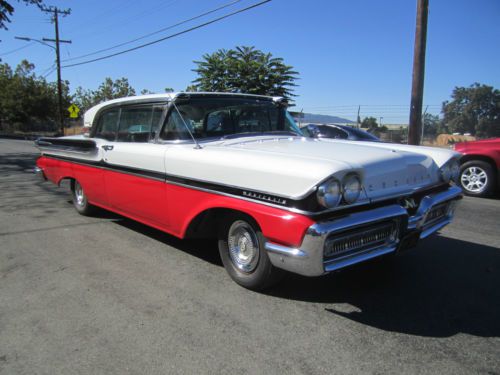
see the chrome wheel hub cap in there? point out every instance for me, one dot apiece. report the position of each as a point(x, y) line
point(243, 246)
point(474, 179)
point(79, 195)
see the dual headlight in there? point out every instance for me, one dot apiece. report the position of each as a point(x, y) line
point(450, 171)
point(331, 192)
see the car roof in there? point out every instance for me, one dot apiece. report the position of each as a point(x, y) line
point(91, 113)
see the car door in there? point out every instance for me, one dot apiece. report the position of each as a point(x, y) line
point(134, 164)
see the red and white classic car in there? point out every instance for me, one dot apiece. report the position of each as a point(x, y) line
point(237, 167)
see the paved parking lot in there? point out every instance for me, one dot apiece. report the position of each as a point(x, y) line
point(105, 295)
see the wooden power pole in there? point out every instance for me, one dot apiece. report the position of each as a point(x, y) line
point(417, 90)
point(56, 12)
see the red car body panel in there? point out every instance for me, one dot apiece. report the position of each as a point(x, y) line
point(169, 207)
point(487, 148)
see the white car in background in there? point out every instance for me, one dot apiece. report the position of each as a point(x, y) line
point(237, 167)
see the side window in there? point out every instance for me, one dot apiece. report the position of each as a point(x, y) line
point(155, 122)
point(218, 123)
point(175, 128)
point(107, 124)
point(135, 124)
point(332, 132)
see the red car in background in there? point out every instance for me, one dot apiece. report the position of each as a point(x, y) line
point(480, 166)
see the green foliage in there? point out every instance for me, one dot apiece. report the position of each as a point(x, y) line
point(28, 102)
point(244, 70)
point(107, 90)
point(369, 123)
point(474, 109)
point(6, 10)
point(431, 123)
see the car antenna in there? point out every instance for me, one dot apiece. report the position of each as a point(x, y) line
point(197, 147)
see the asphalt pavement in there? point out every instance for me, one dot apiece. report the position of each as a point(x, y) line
point(106, 295)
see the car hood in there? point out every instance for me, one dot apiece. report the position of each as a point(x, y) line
point(293, 166)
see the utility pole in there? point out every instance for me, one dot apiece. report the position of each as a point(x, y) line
point(417, 90)
point(358, 119)
point(56, 12)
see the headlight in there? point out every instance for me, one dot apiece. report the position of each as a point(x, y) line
point(351, 188)
point(328, 194)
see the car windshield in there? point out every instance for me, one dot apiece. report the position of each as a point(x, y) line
point(209, 118)
point(361, 134)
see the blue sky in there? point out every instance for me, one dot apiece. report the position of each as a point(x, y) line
point(347, 52)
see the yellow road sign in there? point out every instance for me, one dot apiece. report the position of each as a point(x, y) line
point(73, 111)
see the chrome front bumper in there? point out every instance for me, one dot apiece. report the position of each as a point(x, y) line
point(39, 173)
point(434, 212)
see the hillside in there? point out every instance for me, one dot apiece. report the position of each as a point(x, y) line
point(326, 119)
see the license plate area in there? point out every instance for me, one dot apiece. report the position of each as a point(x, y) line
point(409, 241)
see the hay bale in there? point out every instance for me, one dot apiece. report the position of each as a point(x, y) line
point(450, 139)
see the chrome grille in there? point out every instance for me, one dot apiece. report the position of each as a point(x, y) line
point(436, 213)
point(361, 238)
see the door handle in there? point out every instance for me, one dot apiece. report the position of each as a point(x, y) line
point(107, 147)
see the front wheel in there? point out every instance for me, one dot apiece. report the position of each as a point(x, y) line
point(80, 200)
point(241, 248)
point(477, 178)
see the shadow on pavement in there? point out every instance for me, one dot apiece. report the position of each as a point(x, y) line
point(204, 249)
point(443, 287)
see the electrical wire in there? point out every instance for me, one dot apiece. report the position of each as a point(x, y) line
point(120, 23)
point(170, 36)
point(50, 71)
point(155, 32)
point(17, 49)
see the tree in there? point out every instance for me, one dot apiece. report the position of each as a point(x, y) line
point(6, 10)
point(246, 70)
point(107, 90)
point(369, 123)
point(431, 124)
point(28, 102)
point(474, 109)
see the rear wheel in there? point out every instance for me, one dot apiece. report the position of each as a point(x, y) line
point(477, 178)
point(80, 199)
point(241, 248)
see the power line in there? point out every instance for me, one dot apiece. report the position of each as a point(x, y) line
point(156, 32)
point(119, 22)
point(50, 71)
point(17, 49)
point(170, 36)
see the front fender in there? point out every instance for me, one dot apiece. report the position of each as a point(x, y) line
point(277, 225)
